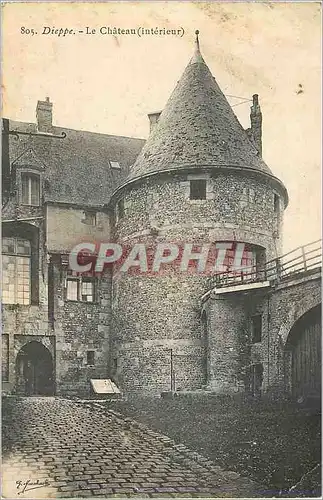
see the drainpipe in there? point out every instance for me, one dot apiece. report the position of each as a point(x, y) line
point(268, 341)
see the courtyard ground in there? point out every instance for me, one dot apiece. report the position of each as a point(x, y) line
point(54, 447)
point(274, 444)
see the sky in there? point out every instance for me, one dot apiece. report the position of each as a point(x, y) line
point(108, 83)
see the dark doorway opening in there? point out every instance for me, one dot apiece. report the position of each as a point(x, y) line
point(34, 370)
point(304, 347)
point(254, 379)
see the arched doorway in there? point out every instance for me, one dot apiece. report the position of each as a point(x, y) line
point(34, 370)
point(303, 356)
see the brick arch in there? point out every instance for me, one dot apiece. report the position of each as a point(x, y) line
point(297, 309)
point(23, 340)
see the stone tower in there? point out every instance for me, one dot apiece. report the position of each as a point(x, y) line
point(199, 178)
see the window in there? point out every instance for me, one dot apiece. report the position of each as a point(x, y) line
point(251, 195)
point(90, 358)
point(276, 203)
point(16, 270)
point(89, 218)
point(81, 289)
point(115, 165)
point(256, 327)
point(30, 189)
point(198, 189)
point(120, 209)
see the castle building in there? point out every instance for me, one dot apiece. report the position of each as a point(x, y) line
point(199, 178)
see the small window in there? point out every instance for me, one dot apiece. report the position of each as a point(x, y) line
point(30, 189)
point(276, 203)
point(81, 289)
point(115, 165)
point(89, 218)
point(198, 189)
point(87, 291)
point(90, 358)
point(256, 328)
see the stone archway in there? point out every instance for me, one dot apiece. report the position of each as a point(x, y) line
point(34, 370)
point(303, 356)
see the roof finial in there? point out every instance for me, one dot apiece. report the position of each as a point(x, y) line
point(197, 54)
point(197, 42)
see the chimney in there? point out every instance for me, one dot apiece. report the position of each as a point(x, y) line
point(44, 116)
point(153, 119)
point(256, 123)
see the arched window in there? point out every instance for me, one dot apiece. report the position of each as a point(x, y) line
point(16, 271)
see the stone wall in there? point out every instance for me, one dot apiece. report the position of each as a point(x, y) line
point(27, 320)
point(76, 327)
point(238, 207)
point(229, 332)
point(286, 306)
point(80, 327)
point(153, 314)
point(68, 226)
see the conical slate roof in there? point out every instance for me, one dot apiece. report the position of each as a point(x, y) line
point(197, 128)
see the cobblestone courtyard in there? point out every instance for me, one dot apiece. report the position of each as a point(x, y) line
point(72, 449)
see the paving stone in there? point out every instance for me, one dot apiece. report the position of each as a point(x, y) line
point(165, 490)
point(103, 491)
point(123, 490)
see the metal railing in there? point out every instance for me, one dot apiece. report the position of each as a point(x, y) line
point(301, 259)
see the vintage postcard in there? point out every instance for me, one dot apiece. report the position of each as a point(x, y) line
point(161, 252)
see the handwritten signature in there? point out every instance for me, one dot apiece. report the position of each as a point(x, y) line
point(30, 484)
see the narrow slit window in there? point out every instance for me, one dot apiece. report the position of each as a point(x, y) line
point(72, 287)
point(276, 203)
point(256, 328)
point(120, 209)
point(90, 358)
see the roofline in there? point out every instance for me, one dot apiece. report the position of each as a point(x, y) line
point(103, 208)
point(189, 168)
point(12, 121)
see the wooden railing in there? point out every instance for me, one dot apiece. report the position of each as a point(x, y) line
point(301, 259)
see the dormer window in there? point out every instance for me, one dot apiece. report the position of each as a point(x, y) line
point(115, 165)
point(30, 189)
